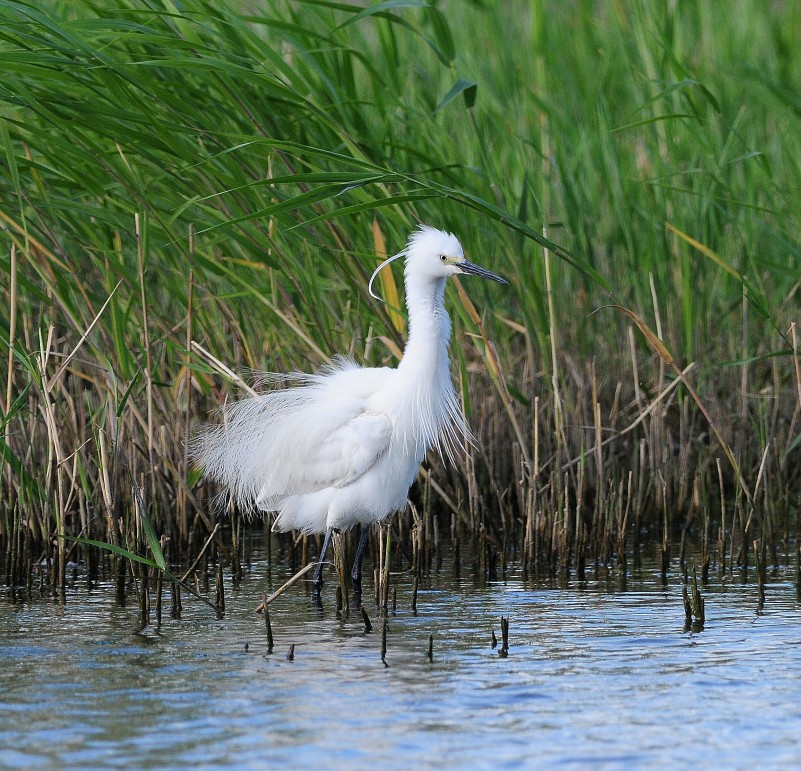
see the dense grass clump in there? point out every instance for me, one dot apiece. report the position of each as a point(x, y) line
point(189, 191)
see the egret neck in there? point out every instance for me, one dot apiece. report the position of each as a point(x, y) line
point(424, 369)
point(429, 325)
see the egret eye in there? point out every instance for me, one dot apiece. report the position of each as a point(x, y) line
point(443, 258)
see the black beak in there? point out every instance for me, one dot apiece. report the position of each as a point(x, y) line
point(477, 270)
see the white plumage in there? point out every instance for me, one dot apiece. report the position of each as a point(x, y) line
point(343, 446)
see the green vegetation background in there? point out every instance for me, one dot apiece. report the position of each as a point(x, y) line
point(652, 146)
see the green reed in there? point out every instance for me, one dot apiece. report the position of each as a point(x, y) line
point(189, 194)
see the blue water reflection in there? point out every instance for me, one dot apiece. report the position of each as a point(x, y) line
point(593, 679)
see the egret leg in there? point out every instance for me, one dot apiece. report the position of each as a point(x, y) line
point(317, 580)
point(356, 572)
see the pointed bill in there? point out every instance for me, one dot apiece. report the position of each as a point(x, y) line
point(477, 270)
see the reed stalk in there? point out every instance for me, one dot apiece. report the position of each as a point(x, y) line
point(140, 255)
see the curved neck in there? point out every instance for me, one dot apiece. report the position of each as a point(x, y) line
point(426, 349)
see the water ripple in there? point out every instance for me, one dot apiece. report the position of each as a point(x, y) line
point(593, 679)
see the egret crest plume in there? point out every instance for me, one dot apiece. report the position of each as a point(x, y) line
point(377, 271)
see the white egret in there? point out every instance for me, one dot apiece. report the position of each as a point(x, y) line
point(343, 446)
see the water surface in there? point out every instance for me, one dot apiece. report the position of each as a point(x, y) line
point(593, 679)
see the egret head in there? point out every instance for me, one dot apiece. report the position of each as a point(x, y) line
point(436, 254)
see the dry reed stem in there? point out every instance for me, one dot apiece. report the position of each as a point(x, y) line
point(148, 353)
point(645, 413)
point(796, 365)
point(278, 592)
point(206, 545)
point(384, 571)
point(265, 606)
point(558, 409)
point(658, 323)
point(64, 498)
point(182, 494)
point(756, 487)
point(389, 288)
point(53, 380)
point(425, 475)
point(494, 370)
point(223, 369)
point(338, 545)
point(744, 356)
point(12, 331)
point(664, 354)
point(55, 452)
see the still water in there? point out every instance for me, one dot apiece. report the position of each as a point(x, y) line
point(594, 678)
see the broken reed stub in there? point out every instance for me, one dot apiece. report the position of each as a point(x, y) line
point(368, 626)
point(504, 649)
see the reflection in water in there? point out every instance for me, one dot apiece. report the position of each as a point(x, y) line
point(608, 679)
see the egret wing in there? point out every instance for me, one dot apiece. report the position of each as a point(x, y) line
point(326, 455)
point(294, 441)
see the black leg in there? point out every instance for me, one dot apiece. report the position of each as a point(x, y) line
point(317, 581)
point(356, 572)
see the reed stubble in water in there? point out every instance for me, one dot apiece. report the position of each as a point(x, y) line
point(798, 574)
point(268, 624)
point(340, 565)
point(694, 608)
point(368, 626)
point(503, 651)
point(384, 625)
point(590, 450)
